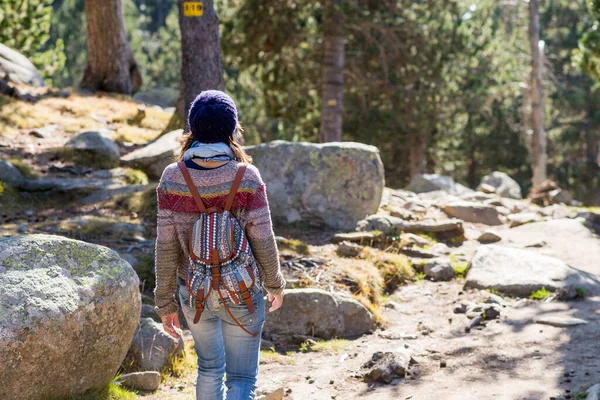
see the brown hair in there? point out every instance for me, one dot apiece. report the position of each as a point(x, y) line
point(233, 142)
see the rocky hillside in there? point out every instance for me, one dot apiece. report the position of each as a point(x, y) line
point(434, 291)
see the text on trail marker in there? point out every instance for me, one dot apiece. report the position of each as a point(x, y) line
point(192, 8)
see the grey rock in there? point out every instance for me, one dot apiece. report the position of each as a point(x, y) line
point(537, 244)
point(69, 310)
point(319, 313)
point(349, 249)
point(331, 184)
point(519, 272)
point(422, 183)
point(439, 269)
point(156, 155)
point(17, 68)
point(559, 322)
point(485, 188)
point(515, 220)
point(22, 228)
point(505, 186)
point(478, 196)
point(394, 225)
point(148, 312)
point(127, 229)
point(112, 191)
point(44, 132)
point(96, 142)
point(411, 239)
point(266, 345)
point(10, 174)
point(161, 96)
point(66, 184)
point(147, 380)
point(473, 212)
point(152, 349)
point(131, 259)
point(385, 367)
point(558, 196)
point(593, 392)
point(489, 237)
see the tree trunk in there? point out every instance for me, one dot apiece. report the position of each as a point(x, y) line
point(110, 64)
point(538, 138)
point(332, 73)
point(201, 65)
point(416, 157)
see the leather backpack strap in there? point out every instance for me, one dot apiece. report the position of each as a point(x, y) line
point(191, 186)
point(234, 187)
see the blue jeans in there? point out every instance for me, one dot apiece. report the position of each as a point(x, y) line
point(223, 347)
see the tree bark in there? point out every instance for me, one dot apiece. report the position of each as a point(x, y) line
point(332, 73)
point(201, 65)
point(416, 156)
point(110, 64)
point(538, 138)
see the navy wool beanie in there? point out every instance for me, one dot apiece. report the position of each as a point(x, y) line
point(213, 117)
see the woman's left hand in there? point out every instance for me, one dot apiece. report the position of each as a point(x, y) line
point(171, 324)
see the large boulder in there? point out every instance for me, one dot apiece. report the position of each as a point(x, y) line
point(68, 313)
point(161, 96)
point(319, 313)
point(155, 156)
point(17, 68)
point(332, 184)
point(97, 144)
point(504, 185)
point(423, 183)
point(567, 239)
point(473, 212)
point(521, 272)
point(10, 174)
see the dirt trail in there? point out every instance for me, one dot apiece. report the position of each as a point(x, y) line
point(510, 358)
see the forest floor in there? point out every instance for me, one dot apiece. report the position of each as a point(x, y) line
point(508, 358)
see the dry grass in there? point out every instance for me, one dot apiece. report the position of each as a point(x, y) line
point(271, 356)
point(327, 346)
point(81, 112)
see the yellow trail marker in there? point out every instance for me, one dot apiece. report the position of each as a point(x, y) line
point(193, 8)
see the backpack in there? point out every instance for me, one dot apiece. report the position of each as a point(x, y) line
point(220, 256)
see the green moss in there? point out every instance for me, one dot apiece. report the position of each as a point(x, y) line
point(83, 157)
point(295, 246)
point(333, 345)
point(24, 168)
point(429, 236)
point(541, 294)
point(460, 267)
point(10, 198)
point(135, 177)
point(580, 291)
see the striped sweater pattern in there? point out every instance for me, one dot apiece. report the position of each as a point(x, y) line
point(177, 212)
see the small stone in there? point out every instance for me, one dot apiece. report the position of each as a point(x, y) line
point(273, 390)
point(443, 364)
point(538, 244)
point(559, 322)
point(489, 237)
point(148, 380)
point(349, 249)
point(311, 381)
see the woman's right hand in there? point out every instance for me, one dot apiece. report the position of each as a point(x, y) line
point(277, 300)
point(171, 324)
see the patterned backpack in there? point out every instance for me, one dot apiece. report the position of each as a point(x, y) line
point(220, 256)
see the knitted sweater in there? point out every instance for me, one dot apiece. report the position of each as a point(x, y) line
point(177, 212)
